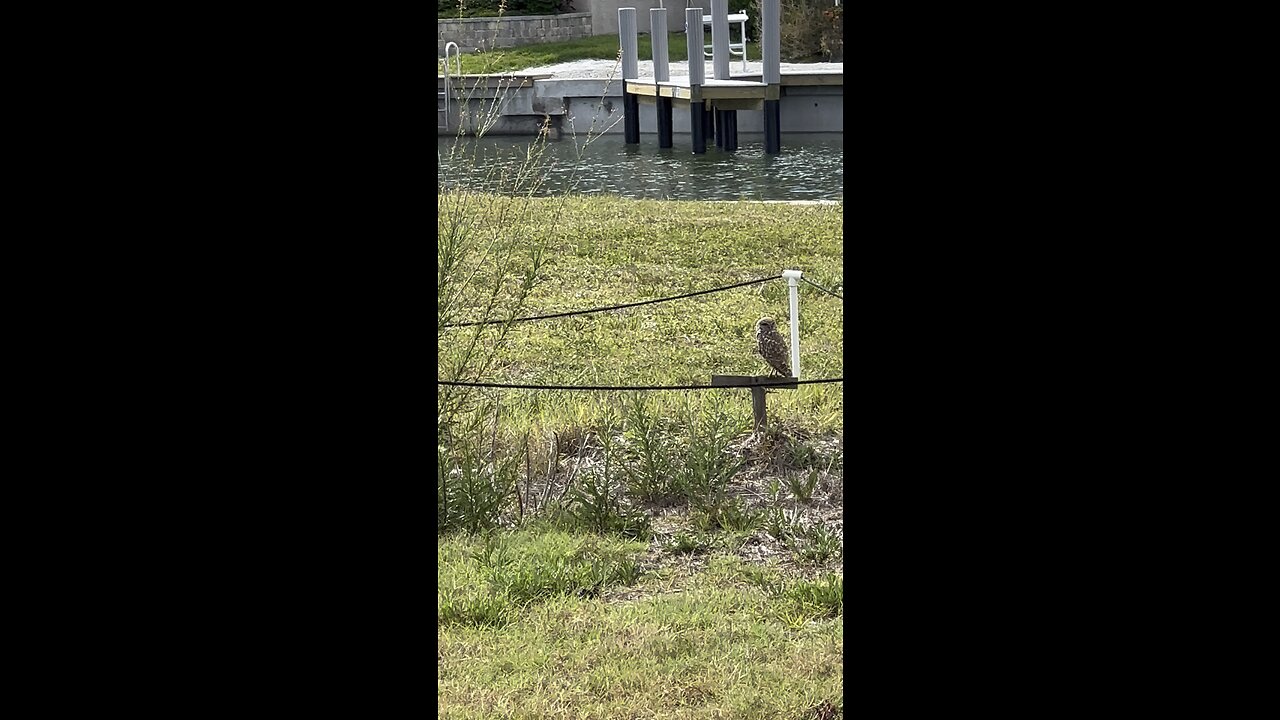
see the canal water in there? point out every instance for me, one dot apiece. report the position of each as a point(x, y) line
point(810, 167)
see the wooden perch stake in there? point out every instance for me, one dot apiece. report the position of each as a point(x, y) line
point(758, 411)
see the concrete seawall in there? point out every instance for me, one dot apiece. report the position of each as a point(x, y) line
point(519, 104)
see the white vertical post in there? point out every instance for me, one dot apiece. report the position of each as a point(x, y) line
point(720, 39)
point(627, 38)
point(658, 34)
point(692, 19)
point(793, 286)
point(770, 37)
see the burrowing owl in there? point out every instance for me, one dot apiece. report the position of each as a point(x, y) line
point(772, 347)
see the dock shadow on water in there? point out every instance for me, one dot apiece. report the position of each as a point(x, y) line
point(810, 167)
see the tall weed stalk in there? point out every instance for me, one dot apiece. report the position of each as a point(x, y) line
point(485, 273)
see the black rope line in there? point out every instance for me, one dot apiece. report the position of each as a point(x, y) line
point(779, 381)
point(822, 288)
point(616, 307)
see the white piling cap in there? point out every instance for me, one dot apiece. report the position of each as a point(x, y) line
point(792, 274)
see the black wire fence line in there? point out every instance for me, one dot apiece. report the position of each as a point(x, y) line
point(769, 383)
point(616, 307)
point(821, 288)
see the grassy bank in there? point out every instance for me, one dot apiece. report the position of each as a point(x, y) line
point(607, 251)
point(666, 561)
point(597, 47)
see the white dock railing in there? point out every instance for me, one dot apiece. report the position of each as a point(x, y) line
point(443, 93)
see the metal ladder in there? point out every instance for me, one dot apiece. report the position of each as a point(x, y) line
point(443, 93)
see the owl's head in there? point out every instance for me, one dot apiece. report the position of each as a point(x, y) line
point(765, 323)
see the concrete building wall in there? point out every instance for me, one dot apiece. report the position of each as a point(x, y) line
point(604, 13)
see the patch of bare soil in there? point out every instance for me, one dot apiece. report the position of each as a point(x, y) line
point(774, 460)
point(779, 461)
point(785, 469)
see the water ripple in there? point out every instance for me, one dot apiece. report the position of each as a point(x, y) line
point(810, 167)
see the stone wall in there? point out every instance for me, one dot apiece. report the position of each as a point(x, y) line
point(503, 32)
point(604, 13)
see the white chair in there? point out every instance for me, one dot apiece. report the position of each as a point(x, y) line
point(736, 49)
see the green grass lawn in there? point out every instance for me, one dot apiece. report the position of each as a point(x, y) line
point(607, 251)
point(665, 561)
point(597, 47)
point(524, 634)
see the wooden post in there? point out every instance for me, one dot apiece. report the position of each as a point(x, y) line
point(759, 385)
point(758, 412)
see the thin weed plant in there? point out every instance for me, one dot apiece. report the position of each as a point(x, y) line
point(802, 484)
point(815, 544)
point(488, 274)
point(596, 505)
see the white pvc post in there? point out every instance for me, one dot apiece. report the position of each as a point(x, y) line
point(692, 19)
point(627, 36)
point(793, 285)
point(720, 39)
point(658, 34)
point(770, 39)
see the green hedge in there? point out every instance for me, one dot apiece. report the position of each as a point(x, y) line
point(812, 30)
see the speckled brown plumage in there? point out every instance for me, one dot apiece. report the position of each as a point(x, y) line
point(772, 347)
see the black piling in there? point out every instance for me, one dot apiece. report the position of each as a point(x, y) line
point(719, 115)
point(630, 116)
point(664, 122)
point(730, 125)
point(698, 127)
point(772, 128)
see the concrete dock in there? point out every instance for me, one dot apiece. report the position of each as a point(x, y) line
point(809, 101)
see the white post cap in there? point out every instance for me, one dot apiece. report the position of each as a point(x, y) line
point(792, 274)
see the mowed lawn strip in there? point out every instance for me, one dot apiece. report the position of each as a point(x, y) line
point(596, 47)
point(729, 641)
